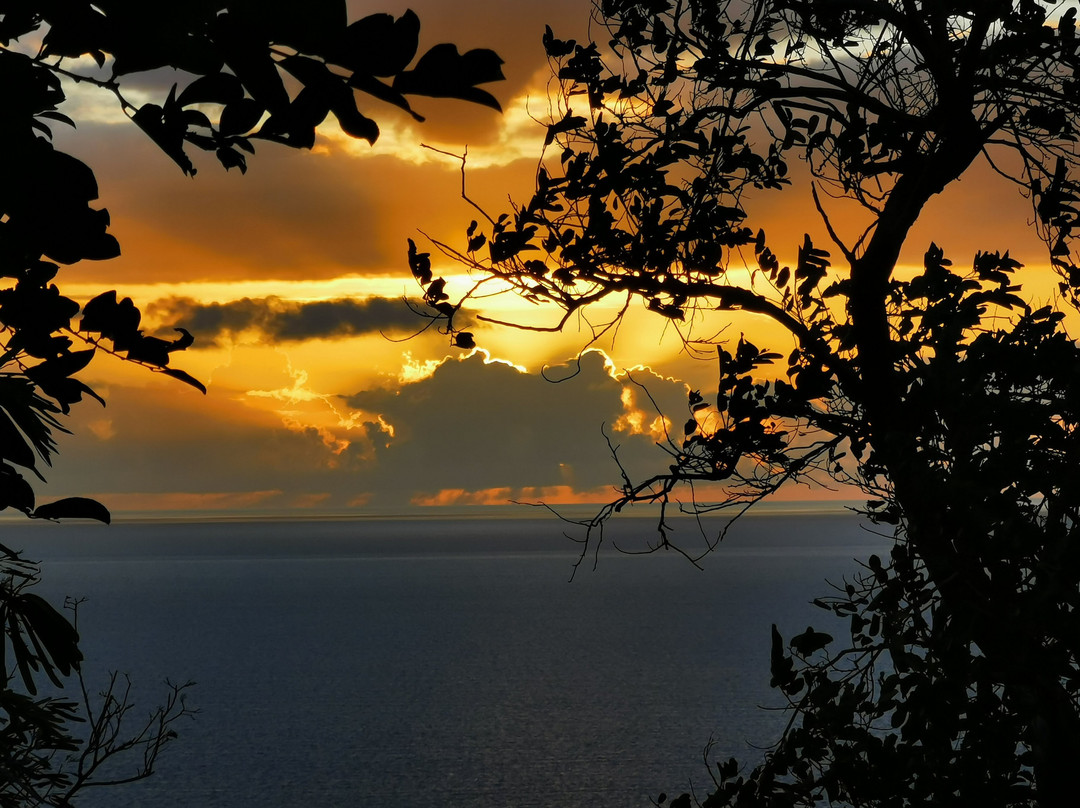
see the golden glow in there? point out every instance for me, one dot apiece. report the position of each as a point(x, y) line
point(413, 370)
point(515, 137)
point(550, 495)
point(351, 286)
point(636, 421)
point(493, 360)
point(291, 395)
point(297, 394)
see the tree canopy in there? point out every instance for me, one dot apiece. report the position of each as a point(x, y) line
point(946, 397)
point(242, 73)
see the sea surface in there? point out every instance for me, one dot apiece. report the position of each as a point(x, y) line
point(440, 663)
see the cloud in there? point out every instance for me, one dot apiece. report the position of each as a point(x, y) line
point(553, 495)
point(277, 320)
point(474, 431)
point(300, 215)
point(517, 134)
point(293, 216)
point(477, 424)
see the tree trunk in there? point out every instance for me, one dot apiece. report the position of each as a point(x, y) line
point(939, 528)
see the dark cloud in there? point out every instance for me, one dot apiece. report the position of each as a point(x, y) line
point(298, 215)
point(476, 425)
point(294, 215)
point(278, 319)
point(164, 439)
point(470, 426)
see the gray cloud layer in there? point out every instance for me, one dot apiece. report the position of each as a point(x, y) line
point(279, 319)
point(470, 426)
point(474, 426)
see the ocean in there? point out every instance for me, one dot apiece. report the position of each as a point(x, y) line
point(440, 663)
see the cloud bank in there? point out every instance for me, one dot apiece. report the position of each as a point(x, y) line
point(275, 319)
point(475, 431)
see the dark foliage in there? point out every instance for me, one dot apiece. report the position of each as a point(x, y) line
point(252, 71)
point(946, 398)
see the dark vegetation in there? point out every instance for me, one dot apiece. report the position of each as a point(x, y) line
point(245, 72)
point(948, 399)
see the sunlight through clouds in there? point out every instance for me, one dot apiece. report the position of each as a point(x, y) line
point(636, 421)
point(414, 370)
point(517, 136)
point(296, 274)
point(290, 395)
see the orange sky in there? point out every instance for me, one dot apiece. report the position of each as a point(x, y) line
point(315, 410)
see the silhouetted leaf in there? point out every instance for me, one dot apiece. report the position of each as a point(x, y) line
point(13, 447)
point(73, 508)
point(185, 377)
point(184, 341)
point(250, 60)
point(295, 124)
point(166, 132)
point(81, 30)
point(110, 318)
point(568, 123)
point(379, 45)
point(55, 635)
point(780, 665)
point(352, 122)
point(15, 492)
point(420, 264)
point(810, 641)
point(141, 348)
point(333, 92)
point(240, 116)
point(24, 659)
point(230, 158)
point(556, 48)
point(65, 364)
point(384, 92)
point(442, 72)
point(216, 88)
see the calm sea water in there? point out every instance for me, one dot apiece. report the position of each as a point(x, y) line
point(426, 663)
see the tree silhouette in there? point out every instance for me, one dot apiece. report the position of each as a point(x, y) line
point(252, 70)
point(946, 398)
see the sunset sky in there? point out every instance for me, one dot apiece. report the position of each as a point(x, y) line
point(291, 279)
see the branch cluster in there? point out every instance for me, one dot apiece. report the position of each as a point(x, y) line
point(946, 399)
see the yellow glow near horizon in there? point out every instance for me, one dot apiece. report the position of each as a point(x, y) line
point(350, 286)
point(1039, 279)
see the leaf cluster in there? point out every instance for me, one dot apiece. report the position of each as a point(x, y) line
point(946, 399)
point(267, 70)
point(899, 712)
point(925, 698)
point(659, 139)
